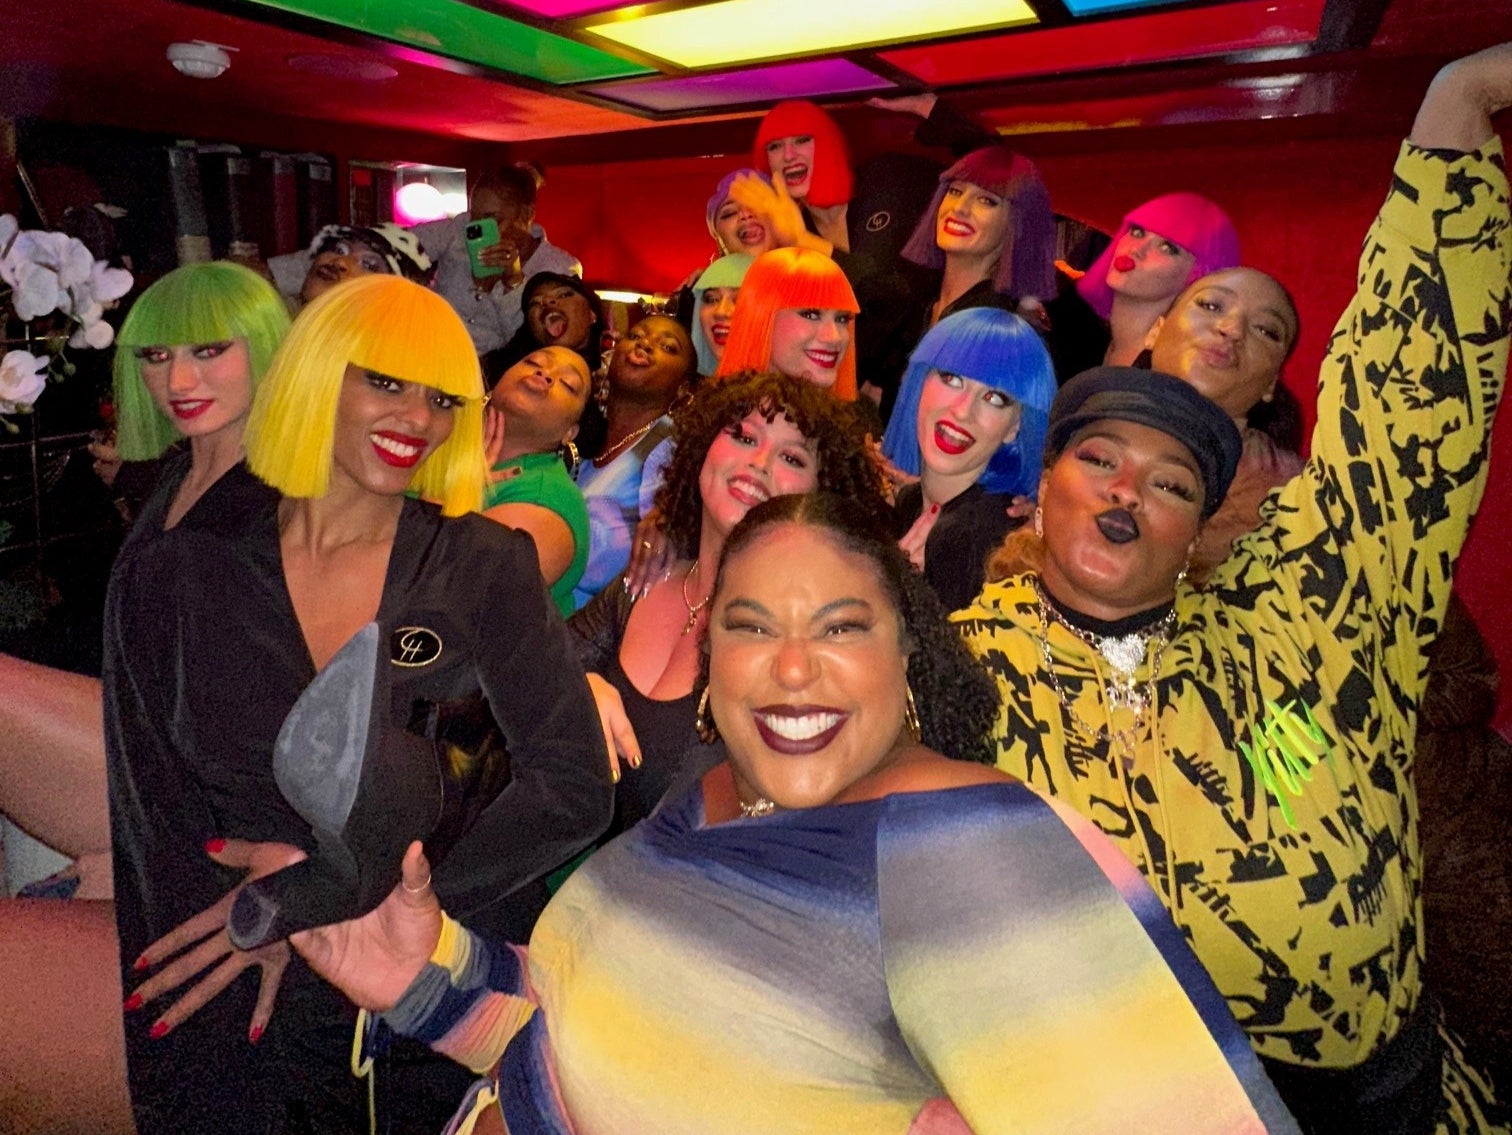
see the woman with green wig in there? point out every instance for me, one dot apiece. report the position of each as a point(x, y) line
point(348, 527)
point(189, 357)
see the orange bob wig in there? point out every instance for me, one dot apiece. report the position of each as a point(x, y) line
point(781, 279)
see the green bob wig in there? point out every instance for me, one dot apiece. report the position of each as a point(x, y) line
point(198, 303)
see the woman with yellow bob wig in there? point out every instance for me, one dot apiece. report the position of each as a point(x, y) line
point(388, 326)
point(421, 625)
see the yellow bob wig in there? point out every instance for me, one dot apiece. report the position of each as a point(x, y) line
point(780, 279)
point(379, 323)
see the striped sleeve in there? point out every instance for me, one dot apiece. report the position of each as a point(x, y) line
point(468, 1001)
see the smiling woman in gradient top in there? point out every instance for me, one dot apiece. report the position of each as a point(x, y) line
point(795, 315)
point(736, 444)
point(839, 928)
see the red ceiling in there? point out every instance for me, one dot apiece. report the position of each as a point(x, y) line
point(102, 61)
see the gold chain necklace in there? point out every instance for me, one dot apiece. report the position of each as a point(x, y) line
point(613, 451)
point(761, 807)
point(693, 608)
point(1123, 654)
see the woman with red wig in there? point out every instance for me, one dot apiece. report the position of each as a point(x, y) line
point(862, 221)
point(795, 315)
point(1163, 245)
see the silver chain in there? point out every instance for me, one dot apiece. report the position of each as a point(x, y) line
point(1121, 689)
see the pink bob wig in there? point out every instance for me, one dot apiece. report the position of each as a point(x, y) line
point(830, 182)
point(1026, 266)
point(1189, 219)
point(781, 279)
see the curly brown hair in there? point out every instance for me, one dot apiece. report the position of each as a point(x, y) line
point(843, 455)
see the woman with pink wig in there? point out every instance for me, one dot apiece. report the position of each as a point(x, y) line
point(795, 315)
point(1162, 246)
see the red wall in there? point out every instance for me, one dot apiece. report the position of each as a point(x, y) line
point(1301, 208)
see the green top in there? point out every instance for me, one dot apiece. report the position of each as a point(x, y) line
point(541, 479)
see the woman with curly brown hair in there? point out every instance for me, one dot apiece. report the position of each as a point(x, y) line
point(751, 438)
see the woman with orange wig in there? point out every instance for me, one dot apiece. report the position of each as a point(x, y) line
point(795, 315)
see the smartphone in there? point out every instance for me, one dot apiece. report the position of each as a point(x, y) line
point(482, 234)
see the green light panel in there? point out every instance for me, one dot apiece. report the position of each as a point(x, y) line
point(460, 31)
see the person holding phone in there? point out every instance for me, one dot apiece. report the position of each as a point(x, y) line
point(484, 255)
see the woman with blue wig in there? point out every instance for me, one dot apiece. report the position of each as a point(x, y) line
point(970, 423)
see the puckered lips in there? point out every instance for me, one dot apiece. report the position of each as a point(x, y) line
point(399, 450)
point(797, 730)
point(1123, 263)
point(1220, 354)
point(638, 356)
point(185, 409)
point(951, 439)
point(1118, 526)
point(535, 381)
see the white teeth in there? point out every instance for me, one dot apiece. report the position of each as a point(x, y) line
point(397, 448)
point(803, 728)
point(746, 487)
point(955, 433)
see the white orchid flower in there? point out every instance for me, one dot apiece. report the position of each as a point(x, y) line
point(22, 378)
point(108, 284)
point(36, 291)
point(94, 333)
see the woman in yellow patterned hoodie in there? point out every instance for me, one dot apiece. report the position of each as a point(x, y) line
point(1249, 746)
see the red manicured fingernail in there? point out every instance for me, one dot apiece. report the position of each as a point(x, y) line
point(255, 1034)
point(132, 1002)
point(141, 963)
point(214, 846)
point(158, 1031)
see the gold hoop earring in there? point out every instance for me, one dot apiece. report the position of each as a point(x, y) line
point(911, 713)
point(703, 720)
point(1182, 574)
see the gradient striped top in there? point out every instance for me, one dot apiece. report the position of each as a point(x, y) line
point(966, 960)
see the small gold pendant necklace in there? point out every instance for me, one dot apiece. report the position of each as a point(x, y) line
point(693, 608)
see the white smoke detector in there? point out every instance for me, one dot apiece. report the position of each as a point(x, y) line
point(200, 59)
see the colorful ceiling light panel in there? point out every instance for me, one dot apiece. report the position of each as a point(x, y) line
point(1093, 7)
point(561, 9)
point(810, 79)
point(1251, 25)
point(743, 31)
point(460, 31)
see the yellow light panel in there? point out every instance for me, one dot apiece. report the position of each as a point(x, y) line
point(741, 31)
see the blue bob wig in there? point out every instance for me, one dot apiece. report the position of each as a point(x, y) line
point(999, 350)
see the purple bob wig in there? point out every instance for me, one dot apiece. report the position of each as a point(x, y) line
point(722, 194)
point(1027, 264)
point(1189, 219)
